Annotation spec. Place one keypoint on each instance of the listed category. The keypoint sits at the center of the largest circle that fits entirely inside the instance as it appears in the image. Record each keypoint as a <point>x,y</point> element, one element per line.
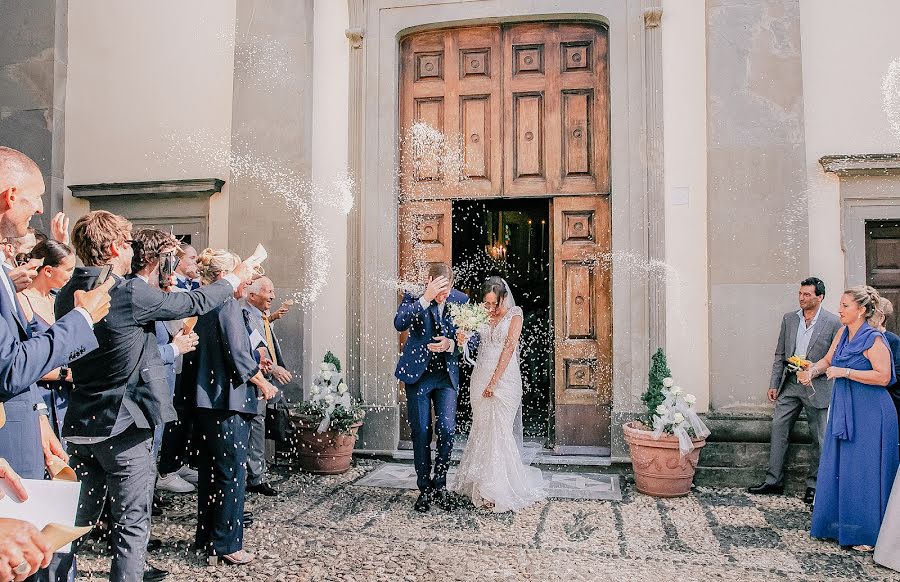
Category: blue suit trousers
<point>437,389</point>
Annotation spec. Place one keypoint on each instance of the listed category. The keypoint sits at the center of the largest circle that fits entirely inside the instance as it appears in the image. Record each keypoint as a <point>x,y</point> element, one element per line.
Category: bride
<point>491,471</point>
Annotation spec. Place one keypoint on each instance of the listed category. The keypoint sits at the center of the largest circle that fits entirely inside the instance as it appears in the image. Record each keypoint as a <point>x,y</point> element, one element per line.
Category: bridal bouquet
<point>469,318</point>
<point>330,402</point>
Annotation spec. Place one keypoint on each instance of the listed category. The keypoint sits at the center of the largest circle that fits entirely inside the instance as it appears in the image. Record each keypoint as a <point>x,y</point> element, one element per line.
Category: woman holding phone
<point>226,383</point>
<point>37,302</point>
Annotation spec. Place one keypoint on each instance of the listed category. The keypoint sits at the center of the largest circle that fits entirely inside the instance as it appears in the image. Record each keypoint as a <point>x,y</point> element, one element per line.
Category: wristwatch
<point>63,374</point>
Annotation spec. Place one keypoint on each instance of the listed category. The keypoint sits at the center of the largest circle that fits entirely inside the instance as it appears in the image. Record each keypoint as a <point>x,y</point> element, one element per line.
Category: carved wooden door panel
<point>556,110</point>
<point>582,322</point>
<point>450,80</point>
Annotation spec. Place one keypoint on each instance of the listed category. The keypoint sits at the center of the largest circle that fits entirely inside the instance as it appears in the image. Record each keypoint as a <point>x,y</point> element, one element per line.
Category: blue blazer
<point>25,357</point>
<point>422,325</point>
<point>216,376</point>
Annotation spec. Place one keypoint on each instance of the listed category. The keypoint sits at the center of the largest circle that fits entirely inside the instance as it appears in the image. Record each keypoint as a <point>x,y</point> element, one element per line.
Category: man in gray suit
<point>256,304</point>
<point>807,333</point>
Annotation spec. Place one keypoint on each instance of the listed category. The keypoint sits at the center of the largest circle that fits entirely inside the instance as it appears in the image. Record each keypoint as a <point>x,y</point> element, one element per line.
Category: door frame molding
<point>376,27</point>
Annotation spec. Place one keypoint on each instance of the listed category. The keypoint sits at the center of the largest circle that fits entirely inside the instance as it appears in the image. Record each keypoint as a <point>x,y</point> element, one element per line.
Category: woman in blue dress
<point>860,454</point>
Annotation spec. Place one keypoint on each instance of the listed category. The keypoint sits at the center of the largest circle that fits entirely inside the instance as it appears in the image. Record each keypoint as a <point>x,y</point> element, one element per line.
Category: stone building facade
<point>739,144</point>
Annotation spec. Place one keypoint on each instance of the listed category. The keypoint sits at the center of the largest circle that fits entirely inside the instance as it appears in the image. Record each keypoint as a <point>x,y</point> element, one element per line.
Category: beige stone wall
<point>846,55</point>
<point>149,94</point>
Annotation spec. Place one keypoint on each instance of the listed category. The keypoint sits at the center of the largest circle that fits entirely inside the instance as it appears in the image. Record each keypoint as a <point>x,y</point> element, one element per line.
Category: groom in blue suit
<point>429,368</point>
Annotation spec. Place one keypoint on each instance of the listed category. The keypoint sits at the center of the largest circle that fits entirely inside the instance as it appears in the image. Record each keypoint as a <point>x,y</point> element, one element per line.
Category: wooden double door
<point>510,112</point>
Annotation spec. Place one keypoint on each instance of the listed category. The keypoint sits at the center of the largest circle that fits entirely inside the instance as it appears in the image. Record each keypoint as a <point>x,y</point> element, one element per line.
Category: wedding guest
<point>807,332</point>
<point>186,276</point>
<point>154,246</point>
<point>894,343</point>
<point>37,302</point>
<point>122,393</point>
<point>861,455</point>
<point>227,383</point>
<point>257,302</point>
<point>887,550</point>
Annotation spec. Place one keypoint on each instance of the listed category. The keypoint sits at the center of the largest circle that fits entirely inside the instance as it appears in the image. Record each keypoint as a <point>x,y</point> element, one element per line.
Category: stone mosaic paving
<point>330,528</point>
<point>559,485</point>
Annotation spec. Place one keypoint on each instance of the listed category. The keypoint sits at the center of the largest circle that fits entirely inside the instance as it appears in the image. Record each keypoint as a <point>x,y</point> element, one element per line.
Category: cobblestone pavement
<point>326,528</point>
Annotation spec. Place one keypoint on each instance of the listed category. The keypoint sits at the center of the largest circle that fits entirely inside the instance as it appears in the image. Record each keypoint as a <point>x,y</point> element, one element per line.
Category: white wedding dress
<point>491,470</point>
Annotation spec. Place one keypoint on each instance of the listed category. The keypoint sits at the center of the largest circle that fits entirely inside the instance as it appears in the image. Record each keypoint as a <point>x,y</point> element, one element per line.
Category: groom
<point>429,367</point>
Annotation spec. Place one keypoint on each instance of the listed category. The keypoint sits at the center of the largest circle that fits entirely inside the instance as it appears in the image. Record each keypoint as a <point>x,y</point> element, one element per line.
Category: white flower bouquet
<point>330,403</point>
<point>469,319</point>
<point>676,416</point>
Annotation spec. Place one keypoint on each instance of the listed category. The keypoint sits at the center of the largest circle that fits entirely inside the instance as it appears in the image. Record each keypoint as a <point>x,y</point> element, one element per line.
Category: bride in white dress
<point>491,471</point>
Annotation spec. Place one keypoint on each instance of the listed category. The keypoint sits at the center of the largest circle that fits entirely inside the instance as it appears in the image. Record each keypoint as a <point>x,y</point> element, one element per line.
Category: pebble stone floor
<point>328,528</point>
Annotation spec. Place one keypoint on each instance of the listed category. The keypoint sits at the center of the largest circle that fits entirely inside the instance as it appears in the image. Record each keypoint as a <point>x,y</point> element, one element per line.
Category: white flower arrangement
<point>676,416</point>
<point>330,403</point>
<point>469,319</point>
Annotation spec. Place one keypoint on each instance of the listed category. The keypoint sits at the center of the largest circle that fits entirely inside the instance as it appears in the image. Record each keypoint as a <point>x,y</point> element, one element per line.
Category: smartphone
<point>167,265</point>
<point>105,272</point>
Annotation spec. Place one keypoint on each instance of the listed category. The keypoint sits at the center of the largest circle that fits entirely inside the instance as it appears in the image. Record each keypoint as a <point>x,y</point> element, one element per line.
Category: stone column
<point>653,92</point>
<point>271,145</point>
<point>33,59</point>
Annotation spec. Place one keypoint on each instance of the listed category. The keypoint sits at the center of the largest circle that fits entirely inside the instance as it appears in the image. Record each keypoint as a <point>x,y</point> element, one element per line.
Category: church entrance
<point>511,239</point>
<point>504,158</point>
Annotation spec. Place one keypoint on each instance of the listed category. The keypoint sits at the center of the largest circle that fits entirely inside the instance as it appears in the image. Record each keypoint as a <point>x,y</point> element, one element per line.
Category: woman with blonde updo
<point>225,380</point>
<point>860,453</point>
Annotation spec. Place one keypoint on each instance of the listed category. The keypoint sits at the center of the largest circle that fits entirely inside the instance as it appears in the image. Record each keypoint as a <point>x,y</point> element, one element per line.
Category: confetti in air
<point>297,193</point>
<point>890,88</point>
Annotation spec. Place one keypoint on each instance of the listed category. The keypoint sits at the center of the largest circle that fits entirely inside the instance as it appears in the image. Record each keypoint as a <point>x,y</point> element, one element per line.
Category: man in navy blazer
<point>27,441</point>
<point>429,368</point>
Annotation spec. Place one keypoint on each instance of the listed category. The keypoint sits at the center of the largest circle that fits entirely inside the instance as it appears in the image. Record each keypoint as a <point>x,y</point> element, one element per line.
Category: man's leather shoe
<point>263,489</point>
<point>810,495</point>
<point>766,489</point>
<point>154,545</point>
<point>423,503</point>
<point>152,574</point>
<point>443,499</point>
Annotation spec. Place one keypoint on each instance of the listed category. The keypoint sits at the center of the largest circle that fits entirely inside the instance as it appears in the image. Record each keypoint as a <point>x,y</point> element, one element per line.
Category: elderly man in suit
<point>257,302</point>
<point>27,441</point>
<point>122,389</point>
<point>807,333</point>
<point>429,368</point>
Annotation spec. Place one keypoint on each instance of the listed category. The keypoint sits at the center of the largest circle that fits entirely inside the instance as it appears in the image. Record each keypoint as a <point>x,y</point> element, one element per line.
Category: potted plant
<point>665,444</point>
<point>327,422</point>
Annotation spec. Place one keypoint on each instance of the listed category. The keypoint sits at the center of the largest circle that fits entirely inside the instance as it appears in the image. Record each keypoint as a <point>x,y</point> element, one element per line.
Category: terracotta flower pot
<point>324,453</point>
<point>659,468</point>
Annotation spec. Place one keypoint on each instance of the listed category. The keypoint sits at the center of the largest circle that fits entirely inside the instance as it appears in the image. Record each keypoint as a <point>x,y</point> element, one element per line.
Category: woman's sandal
<point>864,548</point>
<point>238,558</point>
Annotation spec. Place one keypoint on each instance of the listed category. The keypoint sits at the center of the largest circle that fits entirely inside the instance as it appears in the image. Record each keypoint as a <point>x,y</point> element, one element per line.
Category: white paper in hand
<point>259,255</point>
<point>48,502</point>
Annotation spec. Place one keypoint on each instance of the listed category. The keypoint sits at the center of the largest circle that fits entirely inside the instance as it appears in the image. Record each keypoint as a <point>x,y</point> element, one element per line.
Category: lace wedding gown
<point>491,468</point>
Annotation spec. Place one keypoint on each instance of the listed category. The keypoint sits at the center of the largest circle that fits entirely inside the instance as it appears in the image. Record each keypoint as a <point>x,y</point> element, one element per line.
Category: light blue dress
<point>860,454</point>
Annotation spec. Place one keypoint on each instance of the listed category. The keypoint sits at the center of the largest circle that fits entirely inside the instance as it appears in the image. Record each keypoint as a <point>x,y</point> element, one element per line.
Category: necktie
<point>269,342</point>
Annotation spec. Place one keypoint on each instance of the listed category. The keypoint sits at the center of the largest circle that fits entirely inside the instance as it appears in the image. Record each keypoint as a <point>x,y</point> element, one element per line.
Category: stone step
<point>743,454</point>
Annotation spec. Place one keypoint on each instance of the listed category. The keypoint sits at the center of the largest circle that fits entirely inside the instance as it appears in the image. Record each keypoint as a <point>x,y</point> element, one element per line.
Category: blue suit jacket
<point>423,326</point>
<point>216,376</point>
<point>24,359</point>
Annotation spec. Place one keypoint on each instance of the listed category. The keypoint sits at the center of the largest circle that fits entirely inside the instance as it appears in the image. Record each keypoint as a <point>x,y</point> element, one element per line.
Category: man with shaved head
<point>27,441</point>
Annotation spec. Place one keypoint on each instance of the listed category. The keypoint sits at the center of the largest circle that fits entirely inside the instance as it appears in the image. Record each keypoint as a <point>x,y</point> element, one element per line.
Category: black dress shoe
<point>152,574</point>
<point>766,489</point>
<point>263,489</point>
<point>810,495</point>
<point>423,503</point>
<point>443,499</point>
<point>154,545</point>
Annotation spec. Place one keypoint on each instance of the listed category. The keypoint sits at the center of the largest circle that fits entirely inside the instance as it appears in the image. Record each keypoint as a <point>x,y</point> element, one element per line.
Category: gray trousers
<point>122,468</point>
<point>256,455</point>
<point>793,398</point>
